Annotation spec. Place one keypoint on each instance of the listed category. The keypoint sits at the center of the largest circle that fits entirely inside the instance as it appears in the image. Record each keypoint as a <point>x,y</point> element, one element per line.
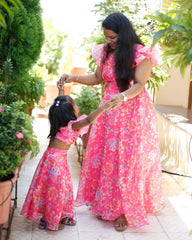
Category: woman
<point>121,173</point>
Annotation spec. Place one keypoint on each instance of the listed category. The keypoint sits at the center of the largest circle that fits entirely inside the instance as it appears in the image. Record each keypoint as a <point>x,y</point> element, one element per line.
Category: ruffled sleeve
<point>142,52</point>
<point>81,131</point>
<point>97,52</point>
<point>67,135</point>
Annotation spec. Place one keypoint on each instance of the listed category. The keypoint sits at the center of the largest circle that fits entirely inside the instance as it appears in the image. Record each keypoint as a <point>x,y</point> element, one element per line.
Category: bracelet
<point>124,97</point>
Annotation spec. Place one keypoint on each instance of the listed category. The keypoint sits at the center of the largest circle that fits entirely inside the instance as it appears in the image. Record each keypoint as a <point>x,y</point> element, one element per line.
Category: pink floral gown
<point>121,172</point>
<point>51,191</point>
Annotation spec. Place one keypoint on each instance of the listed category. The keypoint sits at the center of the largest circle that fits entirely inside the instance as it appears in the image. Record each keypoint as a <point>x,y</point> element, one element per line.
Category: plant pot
<point>6,188</point>
<point>30,111</point>
<point>52,91</point>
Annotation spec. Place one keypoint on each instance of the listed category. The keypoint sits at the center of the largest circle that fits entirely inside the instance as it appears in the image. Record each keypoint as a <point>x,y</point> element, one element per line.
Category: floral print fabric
<point>121,172</point>
<point>51,191</point>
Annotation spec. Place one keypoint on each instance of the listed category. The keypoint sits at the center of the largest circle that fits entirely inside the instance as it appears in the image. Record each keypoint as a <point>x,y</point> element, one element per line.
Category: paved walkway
<point>173,223</point>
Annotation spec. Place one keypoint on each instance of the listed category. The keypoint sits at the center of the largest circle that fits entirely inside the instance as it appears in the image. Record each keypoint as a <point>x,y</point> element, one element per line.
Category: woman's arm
<point>91,79</point>
<point>142,74</point>
<point>93,116</point>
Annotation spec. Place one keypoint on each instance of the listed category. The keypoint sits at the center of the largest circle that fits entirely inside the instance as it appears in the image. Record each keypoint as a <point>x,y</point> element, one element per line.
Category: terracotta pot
<point>30,111</point>
<point>6,188</point>
<point>52,91</point>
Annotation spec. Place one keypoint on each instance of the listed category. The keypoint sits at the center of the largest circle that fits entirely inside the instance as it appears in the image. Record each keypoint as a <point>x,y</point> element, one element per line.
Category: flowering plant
<point>16,137</point>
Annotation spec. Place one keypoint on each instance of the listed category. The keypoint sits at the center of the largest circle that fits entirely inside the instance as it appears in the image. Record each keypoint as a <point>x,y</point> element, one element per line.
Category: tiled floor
<point>173,223</point>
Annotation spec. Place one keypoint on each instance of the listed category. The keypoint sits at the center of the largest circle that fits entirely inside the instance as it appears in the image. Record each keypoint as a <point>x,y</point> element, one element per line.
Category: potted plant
<point>30,89</point>
<point>16,138</point>
<point>87,100</point>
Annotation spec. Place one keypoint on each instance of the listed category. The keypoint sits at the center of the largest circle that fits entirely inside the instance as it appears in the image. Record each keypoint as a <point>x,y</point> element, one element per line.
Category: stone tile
<point>172,224</point>
<point>179,236</point>
<point>20,223</point>
<point>153,227</point>
<point>54,235</point>
<point>17,211</point>
<point>145,236</point>
<point>168,210</point>
<point>101,235</point>
<point>181,201</point>
<point>20,235</point>
<point>83,210</point>
<point>3,233</point>
<point>89,223</point>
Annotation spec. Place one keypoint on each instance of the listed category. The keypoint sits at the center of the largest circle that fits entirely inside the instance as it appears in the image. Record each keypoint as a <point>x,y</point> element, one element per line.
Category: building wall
<point>175,91</point>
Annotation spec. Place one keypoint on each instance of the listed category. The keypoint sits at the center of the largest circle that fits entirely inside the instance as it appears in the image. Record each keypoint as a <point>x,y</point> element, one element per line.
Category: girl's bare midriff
<point>56,143</point>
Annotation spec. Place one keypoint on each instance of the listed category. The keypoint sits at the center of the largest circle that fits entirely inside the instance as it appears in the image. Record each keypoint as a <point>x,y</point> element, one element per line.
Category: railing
<point>175,136</point>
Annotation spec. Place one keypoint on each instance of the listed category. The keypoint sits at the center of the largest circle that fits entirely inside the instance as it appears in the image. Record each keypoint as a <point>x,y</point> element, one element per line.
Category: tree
<point>175,32</point>
<point>22,40</point>
<point>20,46</point>
<point>52,50</point>
<point>5,7</point>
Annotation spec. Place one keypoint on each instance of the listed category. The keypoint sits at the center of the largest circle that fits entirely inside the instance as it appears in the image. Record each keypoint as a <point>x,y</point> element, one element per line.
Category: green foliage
<point>5,8</point>
<point>158,76</point>
<point>16,137</point>
<point>29,88</point>
<point>6,71</point>
<point>22,40</point>
<point>6,94</point>
<point>20,46</point>
<point>175,32</point>
<point>52,50</point>
<point>88,100</point>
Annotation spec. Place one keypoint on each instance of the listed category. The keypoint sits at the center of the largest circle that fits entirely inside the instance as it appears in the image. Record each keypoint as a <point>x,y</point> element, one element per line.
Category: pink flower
<point>19,135</point>
<point>1,110</point>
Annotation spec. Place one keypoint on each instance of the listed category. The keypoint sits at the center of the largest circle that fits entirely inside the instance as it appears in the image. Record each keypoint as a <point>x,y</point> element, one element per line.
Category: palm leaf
<point>2,21</point>
<point>157,36</point>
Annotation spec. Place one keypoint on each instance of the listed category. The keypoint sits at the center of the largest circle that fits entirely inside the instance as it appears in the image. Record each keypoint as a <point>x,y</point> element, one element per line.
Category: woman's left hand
<point>117,100</point>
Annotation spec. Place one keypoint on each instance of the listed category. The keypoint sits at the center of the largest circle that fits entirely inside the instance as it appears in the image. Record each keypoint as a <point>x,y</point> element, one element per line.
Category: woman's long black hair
<point>124,52</point>
<point>60,113</point>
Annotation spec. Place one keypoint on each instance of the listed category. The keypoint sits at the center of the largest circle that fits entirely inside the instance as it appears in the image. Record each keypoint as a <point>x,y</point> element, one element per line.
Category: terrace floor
<point>174,222</point>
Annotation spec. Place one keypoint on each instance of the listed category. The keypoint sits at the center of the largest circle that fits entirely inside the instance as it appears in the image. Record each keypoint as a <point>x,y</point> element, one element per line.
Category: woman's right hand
<point>108,104</point>
<point>65,78</point>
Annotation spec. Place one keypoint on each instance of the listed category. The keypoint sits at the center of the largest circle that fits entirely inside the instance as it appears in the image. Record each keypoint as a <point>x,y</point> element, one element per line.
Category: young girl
<point>50,194</point>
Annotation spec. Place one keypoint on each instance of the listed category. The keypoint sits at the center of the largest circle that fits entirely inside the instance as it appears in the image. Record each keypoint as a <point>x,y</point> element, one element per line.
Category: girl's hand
<point>60,85</point>
<point>117,100</point>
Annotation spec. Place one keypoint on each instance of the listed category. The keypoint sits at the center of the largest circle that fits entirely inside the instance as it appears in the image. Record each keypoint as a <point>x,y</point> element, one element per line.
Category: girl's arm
<point>142,74</point>
<point>60,88</point>
<point>91,79</point>
<point>93,116</point>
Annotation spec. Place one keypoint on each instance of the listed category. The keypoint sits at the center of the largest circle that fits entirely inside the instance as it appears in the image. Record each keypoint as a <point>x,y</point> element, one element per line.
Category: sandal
<point>43,225</point>
<point>68,221</point>
<point>121,223</point>
<point>99,217</point>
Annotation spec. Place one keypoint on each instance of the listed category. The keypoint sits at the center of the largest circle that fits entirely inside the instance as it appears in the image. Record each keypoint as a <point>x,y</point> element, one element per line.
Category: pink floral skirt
<point>51,191</point>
